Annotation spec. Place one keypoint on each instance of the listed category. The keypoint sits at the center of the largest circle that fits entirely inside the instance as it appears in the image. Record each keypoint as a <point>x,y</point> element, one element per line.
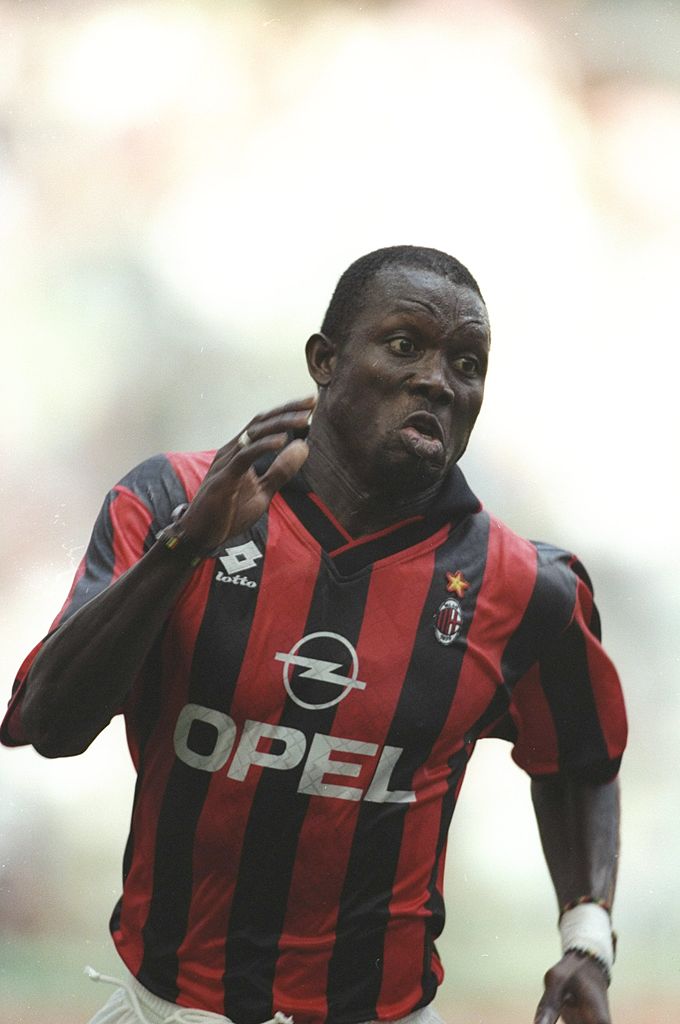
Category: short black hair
<point>351,289</point>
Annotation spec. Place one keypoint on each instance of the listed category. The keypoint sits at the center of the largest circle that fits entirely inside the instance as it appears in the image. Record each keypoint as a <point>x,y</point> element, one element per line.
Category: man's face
<point>408,383</point>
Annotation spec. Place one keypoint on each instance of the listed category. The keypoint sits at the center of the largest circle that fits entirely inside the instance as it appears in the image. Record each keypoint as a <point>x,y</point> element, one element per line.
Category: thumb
<point>551,1002</point>
<point>284,467</point>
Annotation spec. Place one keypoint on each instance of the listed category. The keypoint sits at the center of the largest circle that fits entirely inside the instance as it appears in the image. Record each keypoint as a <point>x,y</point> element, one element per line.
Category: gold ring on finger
<point>245,439</point>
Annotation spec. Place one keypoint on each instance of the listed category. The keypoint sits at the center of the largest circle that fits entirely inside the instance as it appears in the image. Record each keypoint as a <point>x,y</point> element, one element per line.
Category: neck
<point>360,508</point>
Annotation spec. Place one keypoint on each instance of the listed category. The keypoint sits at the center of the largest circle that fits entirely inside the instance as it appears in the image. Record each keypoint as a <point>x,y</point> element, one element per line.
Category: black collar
<point>453,502</point>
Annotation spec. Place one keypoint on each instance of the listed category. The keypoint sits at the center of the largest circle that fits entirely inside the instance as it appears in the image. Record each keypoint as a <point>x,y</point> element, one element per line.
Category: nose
<point>431,377</point>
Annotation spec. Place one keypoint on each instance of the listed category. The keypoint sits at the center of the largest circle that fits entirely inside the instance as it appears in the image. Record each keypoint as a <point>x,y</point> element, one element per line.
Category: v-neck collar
<point>350,554</point>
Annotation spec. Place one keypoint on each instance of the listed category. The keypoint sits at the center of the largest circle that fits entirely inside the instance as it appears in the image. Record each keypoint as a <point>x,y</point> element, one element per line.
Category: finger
<point>290,416</point>
<point>550,1004</point>
<point>284,467</point>
<point>245,456</point>
<point>289,421</point>
<point>240,457</point>
<point>299,405</point>
<point>546,1014</point>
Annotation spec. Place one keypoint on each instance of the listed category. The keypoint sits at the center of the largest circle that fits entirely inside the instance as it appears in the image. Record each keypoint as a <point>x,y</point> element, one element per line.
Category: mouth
<point>422,433</point>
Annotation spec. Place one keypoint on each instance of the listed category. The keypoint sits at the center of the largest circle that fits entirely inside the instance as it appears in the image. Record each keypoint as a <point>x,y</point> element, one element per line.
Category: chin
<point>408,474</point>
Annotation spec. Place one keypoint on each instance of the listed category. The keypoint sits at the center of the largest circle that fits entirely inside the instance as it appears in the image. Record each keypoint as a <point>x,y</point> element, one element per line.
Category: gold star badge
<point>456,583</point>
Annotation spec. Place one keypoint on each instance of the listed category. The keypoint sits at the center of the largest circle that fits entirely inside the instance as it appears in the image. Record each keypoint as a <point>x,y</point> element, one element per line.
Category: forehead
<point>403,289</point>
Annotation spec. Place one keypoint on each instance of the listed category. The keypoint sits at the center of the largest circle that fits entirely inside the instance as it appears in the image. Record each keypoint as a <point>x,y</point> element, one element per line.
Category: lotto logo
<point>240,581</point>
<point>243,556</point>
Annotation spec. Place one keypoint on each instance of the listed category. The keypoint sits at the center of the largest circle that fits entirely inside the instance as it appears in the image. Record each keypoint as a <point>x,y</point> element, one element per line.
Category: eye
<point>402,346</point>
<point>469,366</point>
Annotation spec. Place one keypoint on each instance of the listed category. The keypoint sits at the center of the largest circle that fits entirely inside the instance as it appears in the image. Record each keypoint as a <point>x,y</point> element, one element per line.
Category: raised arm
<point>579,828</point>
<point>86,668</point>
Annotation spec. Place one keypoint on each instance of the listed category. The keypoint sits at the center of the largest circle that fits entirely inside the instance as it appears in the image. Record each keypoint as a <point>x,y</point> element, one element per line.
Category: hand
<point>575,992</point>
<point>232,496</point>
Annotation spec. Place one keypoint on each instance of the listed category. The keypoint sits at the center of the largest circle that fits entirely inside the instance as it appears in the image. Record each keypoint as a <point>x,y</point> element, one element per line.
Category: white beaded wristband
<point>587,929</point>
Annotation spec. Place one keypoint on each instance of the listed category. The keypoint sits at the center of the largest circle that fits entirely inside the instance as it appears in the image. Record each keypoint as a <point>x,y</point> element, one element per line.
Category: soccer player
<point>308,631</point>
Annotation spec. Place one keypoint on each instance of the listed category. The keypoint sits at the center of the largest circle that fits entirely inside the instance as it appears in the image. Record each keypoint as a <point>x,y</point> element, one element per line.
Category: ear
<point>322,355</point>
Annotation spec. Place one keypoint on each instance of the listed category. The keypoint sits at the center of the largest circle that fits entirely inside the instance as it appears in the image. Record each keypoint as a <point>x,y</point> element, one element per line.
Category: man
<point>308,631</point>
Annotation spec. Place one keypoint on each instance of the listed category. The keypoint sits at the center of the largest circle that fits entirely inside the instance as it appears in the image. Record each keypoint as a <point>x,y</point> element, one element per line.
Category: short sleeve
<point>567,709</point>
<point>131,515</point>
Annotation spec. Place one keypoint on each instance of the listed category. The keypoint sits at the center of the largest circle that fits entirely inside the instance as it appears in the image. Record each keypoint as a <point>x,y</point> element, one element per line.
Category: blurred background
<point>181,184</point>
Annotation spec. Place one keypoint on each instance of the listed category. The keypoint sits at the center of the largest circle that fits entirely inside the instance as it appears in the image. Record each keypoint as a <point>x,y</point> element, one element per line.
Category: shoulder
<point>554,564</point>
<point>558,574</point>
<point>164,481</point>
<point>561,571</point>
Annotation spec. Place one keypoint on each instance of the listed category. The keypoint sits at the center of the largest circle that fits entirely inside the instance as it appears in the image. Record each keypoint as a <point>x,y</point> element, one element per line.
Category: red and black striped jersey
<point>301,730</point>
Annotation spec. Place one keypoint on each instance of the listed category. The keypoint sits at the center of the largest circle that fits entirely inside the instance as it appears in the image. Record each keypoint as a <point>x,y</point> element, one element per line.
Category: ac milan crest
<point>447,621</point>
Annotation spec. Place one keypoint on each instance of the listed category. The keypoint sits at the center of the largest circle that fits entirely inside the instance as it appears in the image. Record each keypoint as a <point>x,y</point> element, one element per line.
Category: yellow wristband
<point>173,539</point>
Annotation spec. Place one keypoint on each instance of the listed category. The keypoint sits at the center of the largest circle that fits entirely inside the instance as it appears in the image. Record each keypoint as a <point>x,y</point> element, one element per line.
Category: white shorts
<point>131,1003</point>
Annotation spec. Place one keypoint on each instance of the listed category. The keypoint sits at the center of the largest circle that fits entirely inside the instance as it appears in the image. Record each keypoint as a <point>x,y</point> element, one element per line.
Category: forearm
<point>579,828</point>
<point>85,669</point>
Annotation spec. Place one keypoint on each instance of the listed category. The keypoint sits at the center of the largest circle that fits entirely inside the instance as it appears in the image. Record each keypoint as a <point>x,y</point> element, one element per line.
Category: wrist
<point>174,539</point>
<point>585,928</point>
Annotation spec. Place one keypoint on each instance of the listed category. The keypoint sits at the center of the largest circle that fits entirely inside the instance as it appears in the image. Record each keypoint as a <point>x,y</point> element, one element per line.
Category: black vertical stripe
<point>218,655</point>
<point>99,561</point>
<point>143,717</point>
<point>157,486</point>
<point>547,613</point>
<point>355,972</point>
<point>277,814</point>
<point>548,634</point>
<point>166,923</point>
<point>565,679</point>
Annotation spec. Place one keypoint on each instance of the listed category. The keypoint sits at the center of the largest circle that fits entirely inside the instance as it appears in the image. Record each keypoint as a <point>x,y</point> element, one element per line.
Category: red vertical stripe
<point>190,469</point>
<point>604,679</point>
<point>532,711</point>
<point>533,716</point>
<point>288,579</point>
<point>394,604</point>
<point>130,522</point>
